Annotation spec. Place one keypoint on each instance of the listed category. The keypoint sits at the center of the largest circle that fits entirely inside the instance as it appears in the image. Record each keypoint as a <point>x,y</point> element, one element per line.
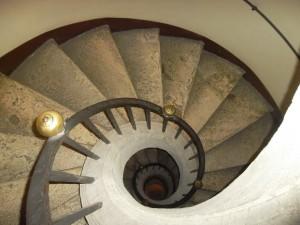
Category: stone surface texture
<point>217,180</point>
<point>18,155</point>
<point>97,55</point>
<point>202,195</point>
<point>242,107</point>
<point>64,198</point>
<point>52,73</point>
<point>214,80</point>
<point>140,50</point>
<point>21,105</point>
<point>180,58</point>
<point>12,195</point>
<point>240,148</point>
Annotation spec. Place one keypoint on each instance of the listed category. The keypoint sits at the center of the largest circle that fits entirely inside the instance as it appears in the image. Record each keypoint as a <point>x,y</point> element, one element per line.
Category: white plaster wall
<point>230,23</point>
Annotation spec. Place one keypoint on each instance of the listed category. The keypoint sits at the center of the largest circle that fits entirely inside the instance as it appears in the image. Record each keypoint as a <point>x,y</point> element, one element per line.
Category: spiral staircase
<point>154,122</point>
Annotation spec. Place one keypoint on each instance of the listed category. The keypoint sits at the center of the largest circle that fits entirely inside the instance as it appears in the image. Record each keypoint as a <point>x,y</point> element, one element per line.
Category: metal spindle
<point>73,217</point>
<point>91,127</point>
<point>148,118</point>
<point>62,177</point>
<point>79,148</point>
<point>110,116</point>
<point>130,116</point>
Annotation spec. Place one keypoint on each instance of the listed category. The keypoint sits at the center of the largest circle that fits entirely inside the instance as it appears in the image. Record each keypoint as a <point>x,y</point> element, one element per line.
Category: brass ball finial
<point>49,123</point>
<point>170,109</point>
<point>198,184</point>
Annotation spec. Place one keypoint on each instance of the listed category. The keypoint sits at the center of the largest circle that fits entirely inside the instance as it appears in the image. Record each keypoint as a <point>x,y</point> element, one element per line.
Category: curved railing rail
<point>37,207</point>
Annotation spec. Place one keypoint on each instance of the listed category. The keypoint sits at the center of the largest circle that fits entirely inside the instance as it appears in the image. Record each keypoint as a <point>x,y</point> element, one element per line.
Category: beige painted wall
<point>230,23</point>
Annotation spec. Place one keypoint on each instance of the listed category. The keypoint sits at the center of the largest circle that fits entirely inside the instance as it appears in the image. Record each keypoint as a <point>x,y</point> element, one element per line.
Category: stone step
<point>12,210</point>
<point>97,55</point>
<point>241,148</point>
<point>64,198</point>
<point>214,80</point>
<point>202,195</point>
<point>140,50</point>
<point>19,154</point>
<point>180,58</point>
<point>52,73</point>
<point>69,206</point>
<point>218,180</point>
<point>21,105</point>
<point>12,194</point>
<point>242,107</point>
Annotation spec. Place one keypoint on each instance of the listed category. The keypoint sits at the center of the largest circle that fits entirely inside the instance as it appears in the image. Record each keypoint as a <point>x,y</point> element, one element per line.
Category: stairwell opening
<point>151,175</point>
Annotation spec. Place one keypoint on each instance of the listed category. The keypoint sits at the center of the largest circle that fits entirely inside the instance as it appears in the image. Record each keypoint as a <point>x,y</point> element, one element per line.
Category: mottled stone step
<point>67,207</point>
<point>241,148</point>
<point>140,50</point>
<point>97,55</point>
<point>202,195</point>
<point>217,180</point>
<point>180,58</point>
<point>12,209</point>
<point>64,198</point>
<point>214,80</point>
<point>242,107</point>
<point>13,205</point>
<point>19,153</point>
<point>52,73</point>
<point>20,105</point>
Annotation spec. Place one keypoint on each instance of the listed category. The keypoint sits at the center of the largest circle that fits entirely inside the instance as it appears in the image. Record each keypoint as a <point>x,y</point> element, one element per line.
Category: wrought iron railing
<point>37,206</point>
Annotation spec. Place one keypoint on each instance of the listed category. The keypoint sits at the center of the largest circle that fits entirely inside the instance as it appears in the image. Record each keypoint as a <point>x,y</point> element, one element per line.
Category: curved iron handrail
<point>37,207</point>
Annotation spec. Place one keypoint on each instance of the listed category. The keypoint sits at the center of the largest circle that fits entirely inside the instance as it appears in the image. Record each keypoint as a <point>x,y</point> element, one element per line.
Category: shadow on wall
<point>295,82</point>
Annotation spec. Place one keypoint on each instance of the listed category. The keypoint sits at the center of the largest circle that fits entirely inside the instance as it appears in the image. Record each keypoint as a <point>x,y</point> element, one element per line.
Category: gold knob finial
<point>49,123</point>
<point>198,184</point>
<point>170,110</point>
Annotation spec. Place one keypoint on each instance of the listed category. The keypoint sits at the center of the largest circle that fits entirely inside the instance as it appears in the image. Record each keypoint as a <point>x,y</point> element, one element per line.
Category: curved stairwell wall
<point>230,23</point>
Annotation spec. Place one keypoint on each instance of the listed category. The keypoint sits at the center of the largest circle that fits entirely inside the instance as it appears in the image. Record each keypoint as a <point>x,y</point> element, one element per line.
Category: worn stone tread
<point>140,50</point>
<point>13,204</point>
<point>52,73</point>
<point>180,58</point>
<point>67,207</point>
<point>20,105</point>
<point>241,148</point>
<point>218,180</point>
<point>64,198</point>
<point>19,153</point>
<point>214,80</point>
<point>97,55</point>
<point>242,107</point>
<point>202,195</point>
<point>12,209</point>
